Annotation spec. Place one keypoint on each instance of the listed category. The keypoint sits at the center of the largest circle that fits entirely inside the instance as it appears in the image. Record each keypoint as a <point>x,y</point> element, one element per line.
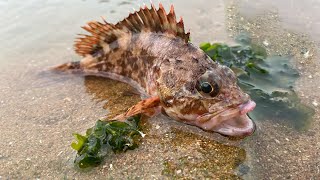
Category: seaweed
<point>269,80</point>
<point>104,138</point>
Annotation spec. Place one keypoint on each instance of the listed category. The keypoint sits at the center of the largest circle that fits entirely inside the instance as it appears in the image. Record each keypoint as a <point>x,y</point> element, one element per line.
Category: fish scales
<point>151,51</point>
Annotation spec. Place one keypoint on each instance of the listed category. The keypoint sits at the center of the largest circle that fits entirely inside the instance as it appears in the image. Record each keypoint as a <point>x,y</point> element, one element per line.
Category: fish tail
<point>76,65</point>
<point>86,63</point>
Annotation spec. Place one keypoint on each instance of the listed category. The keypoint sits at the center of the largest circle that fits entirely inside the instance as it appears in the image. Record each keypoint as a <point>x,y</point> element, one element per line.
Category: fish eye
<point>211,89</point>
<point>206,87</point>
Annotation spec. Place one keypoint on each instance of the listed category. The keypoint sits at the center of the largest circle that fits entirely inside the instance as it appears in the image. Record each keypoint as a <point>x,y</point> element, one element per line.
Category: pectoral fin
<point>149,107</point>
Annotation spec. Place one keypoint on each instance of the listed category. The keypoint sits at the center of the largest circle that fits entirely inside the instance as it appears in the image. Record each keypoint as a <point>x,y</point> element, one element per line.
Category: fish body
<point>151,51</point>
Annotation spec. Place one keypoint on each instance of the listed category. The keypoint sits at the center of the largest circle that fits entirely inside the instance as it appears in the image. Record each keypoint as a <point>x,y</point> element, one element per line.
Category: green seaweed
<point>102,139</point>
<point>269,80</point>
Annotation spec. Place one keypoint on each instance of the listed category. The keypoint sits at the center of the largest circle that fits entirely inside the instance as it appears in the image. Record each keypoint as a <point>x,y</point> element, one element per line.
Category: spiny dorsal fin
<point>143,20</point>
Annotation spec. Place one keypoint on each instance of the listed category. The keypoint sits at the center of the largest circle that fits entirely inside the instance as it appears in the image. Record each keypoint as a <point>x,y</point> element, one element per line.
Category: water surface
<point>40,111</point>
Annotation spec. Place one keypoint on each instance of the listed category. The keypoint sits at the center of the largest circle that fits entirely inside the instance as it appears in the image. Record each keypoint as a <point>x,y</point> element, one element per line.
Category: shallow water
<point>40,111</point>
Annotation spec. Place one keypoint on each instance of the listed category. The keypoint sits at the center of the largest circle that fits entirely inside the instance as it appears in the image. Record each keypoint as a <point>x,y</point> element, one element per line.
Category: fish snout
<point>230,122</point>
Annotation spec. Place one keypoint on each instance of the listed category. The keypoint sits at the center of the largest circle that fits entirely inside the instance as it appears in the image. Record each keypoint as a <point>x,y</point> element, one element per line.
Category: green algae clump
<point>269,80</point>
<point>104,138</point>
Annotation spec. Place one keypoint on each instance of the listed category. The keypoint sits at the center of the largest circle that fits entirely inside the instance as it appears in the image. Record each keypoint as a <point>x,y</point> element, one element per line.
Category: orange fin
<point>148,107</point>
<point>103,34</point>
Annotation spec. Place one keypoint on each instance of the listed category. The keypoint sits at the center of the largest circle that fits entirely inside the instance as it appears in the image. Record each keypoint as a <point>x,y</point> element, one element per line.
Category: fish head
<point>207,95</point>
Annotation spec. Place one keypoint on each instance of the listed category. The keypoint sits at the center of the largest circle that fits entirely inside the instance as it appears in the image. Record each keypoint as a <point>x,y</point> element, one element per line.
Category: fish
<point>151,51</point>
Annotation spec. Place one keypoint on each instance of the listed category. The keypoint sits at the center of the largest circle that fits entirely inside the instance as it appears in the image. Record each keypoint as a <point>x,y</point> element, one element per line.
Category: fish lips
<point>228,128</point>
<point>231,122</point>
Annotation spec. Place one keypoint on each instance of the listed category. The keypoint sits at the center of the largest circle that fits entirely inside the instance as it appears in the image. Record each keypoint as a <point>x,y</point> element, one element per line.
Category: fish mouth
<point>230,122</point>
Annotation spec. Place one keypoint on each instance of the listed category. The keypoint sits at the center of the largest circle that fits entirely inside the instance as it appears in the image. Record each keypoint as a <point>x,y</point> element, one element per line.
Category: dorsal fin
<point>143,20</point>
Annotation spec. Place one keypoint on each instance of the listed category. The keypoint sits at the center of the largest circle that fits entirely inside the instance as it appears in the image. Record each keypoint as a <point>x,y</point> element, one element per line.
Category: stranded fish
<point>150,51</point>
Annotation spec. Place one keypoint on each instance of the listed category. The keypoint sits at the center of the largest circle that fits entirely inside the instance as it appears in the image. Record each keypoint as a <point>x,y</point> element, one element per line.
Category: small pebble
<point>315,103</point>
<point>266,43</point>
<point>28,159</point>
<point>307,55</point>
<point>310,77</point>
<point>179,171</point>
<point>60,153</point>
<point>142,134</point>
<point>67,99</point>
<point>157,127</point>
<point>244,169</point>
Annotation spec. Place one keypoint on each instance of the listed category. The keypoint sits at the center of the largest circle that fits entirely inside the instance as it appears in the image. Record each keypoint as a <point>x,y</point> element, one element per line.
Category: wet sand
<point>278,150</point>
<point>40,111</point>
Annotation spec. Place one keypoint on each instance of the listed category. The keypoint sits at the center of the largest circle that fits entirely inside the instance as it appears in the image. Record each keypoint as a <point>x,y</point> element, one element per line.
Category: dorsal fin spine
<point>126,23</point>
<point>149,17</point>
<point>104,20</point>
<point>155,17</point>
<point>143,18</point>
<point>134,23</point>
<point>172,19</point>
<point>138,19</point>
<point>163,17</point>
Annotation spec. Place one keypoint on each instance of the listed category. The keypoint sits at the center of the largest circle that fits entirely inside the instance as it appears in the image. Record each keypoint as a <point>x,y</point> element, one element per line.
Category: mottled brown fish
<point>151,51</point>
